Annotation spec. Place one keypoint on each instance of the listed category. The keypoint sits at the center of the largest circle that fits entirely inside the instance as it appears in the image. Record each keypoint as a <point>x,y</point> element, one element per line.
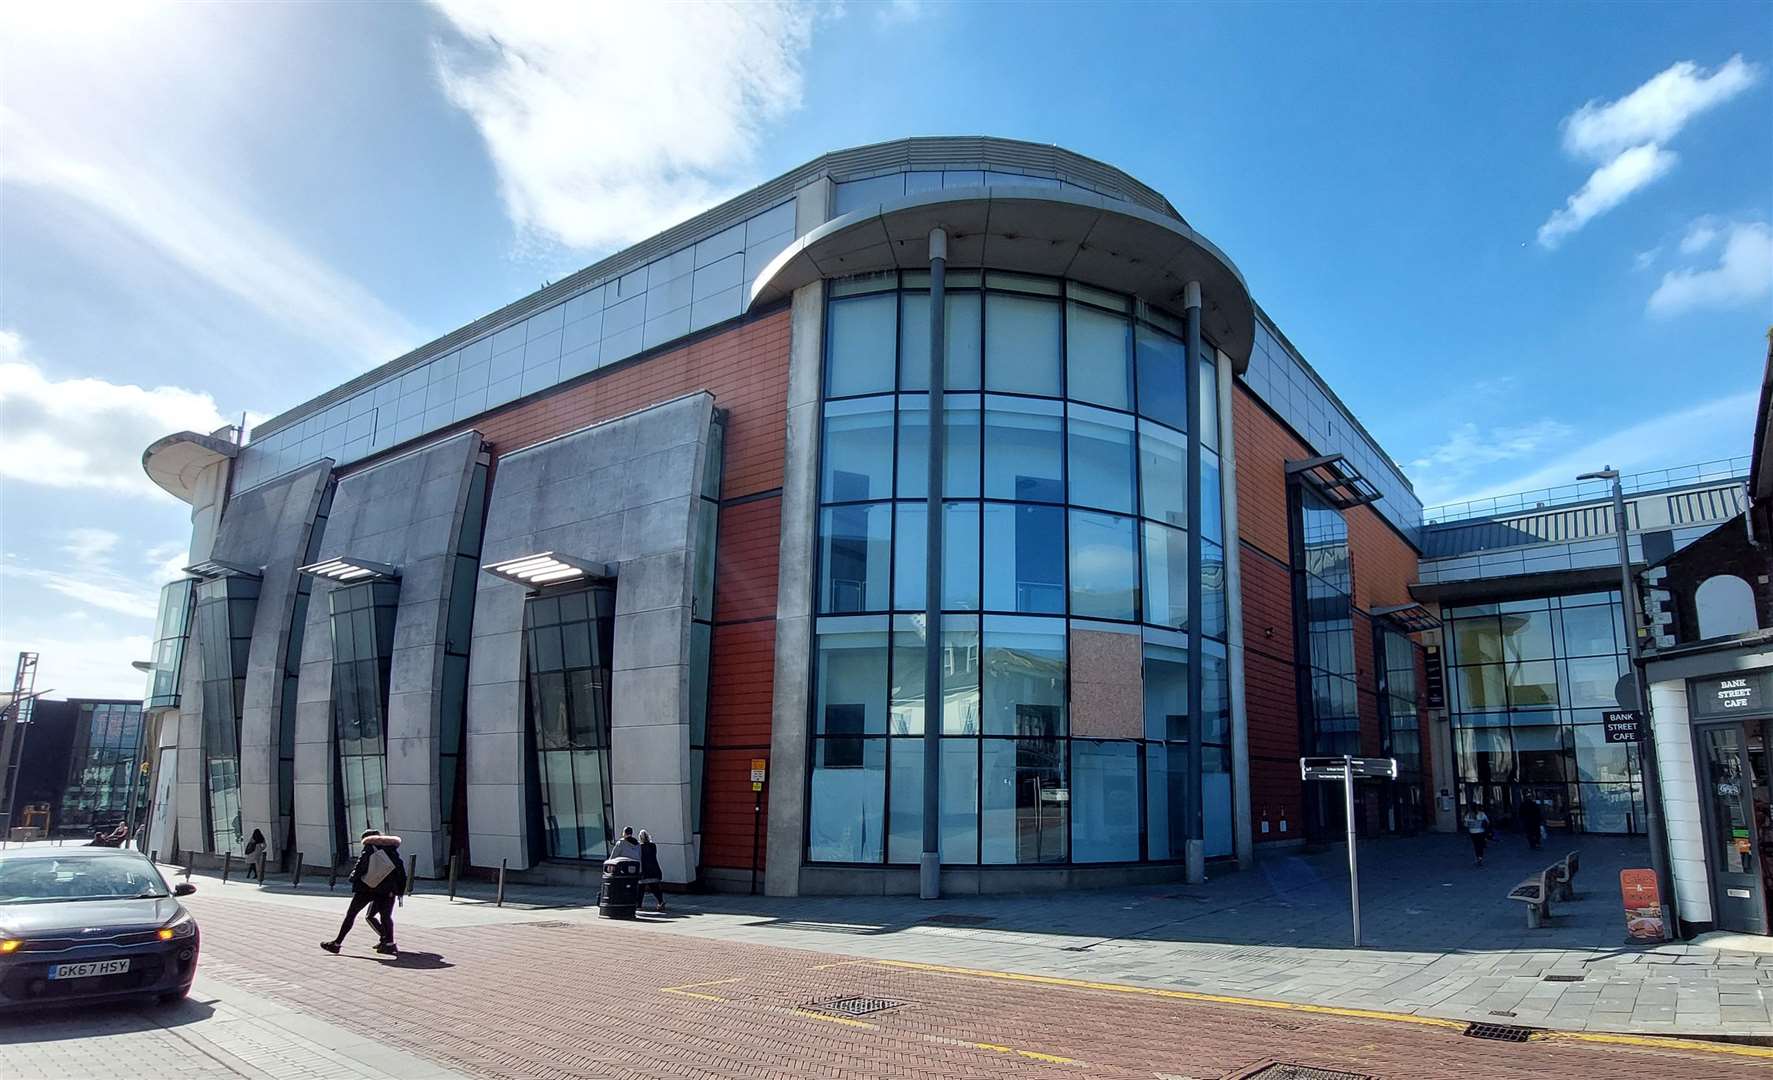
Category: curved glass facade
<point>1065,578</point>
<point>362,657</point>
<point>224,614</point>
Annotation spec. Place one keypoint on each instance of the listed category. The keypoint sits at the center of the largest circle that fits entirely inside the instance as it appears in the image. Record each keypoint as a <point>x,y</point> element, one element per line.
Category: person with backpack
<point>377,881</point>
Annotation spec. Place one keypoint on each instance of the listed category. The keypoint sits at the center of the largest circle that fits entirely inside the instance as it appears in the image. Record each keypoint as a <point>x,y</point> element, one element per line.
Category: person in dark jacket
<point>377,893</point>
<point>1533,822</point>
<point>652,879</point>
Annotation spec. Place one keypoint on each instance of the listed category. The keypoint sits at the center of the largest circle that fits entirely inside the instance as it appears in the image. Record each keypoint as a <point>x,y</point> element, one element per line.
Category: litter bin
<point>620,895</point>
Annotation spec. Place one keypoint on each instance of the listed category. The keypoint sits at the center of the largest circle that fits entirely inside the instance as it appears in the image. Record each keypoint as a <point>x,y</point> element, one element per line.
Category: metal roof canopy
<point>348,571</point>
<point>1413,617</point>
<point>546,568</point>
<point>1332,477</point>
<point>212,569</point>
<point>1090,239</point>
<point>176,461</point>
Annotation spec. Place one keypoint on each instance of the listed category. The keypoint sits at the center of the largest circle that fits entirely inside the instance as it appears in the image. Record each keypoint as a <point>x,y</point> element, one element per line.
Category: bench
<point>1564,875</point>
<point>1535,892</point>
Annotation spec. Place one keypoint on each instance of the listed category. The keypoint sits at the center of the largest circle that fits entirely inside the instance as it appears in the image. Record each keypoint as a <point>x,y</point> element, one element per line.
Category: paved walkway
<point>1441,939</point>
<point>221,1032</point>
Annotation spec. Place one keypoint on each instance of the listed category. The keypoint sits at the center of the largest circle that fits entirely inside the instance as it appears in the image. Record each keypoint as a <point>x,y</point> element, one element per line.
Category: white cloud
<point>598,141</point>
<point>899,12</point>
<point>168,560</point>
<point>1700,235</point>
<point>1705,432</point>
<point>1469,449</point>
<point>1656,111</point>
<point>1742,276</point>
<point>80,664</point>
<point>1607,187</point>
<point>1646,259</point>
<point>94,584</point>
<point>1626,137</point>
<point>90,545</point>
<point>86,433</point>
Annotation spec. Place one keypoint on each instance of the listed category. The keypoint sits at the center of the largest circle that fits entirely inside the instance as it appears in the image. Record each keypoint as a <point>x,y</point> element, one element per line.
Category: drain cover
<point>1286,1070</point>
<point>553,925</point>
<point>1562,978</point>
<point>854,1006</point>
<point>1499,1032</point>
<point>957,920</point>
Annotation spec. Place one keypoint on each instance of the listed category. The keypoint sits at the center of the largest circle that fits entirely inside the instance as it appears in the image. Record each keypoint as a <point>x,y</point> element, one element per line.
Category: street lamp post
<point>1647,748</point>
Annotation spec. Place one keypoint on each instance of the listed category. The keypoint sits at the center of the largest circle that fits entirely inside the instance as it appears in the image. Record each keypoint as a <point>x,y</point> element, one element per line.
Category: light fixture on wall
<point>349,571</point>
<point>546,568</point>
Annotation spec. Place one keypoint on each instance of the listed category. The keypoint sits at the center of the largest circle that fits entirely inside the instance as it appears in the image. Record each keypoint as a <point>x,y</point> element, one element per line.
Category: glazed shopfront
<point>1732,718</point>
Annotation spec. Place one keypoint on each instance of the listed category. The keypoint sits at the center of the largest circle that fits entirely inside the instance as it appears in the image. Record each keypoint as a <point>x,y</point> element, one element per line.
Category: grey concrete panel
<point>650,754</point>
<point>655,581</point>
<point>573,498</point>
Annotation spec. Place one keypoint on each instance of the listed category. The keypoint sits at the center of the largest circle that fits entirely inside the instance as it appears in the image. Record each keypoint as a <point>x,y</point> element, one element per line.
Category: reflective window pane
<point>1532,684</point>
<point>1166,802</point>
<point>858,450</point>
<point>1212,589</point>
<point>1104,566</point>
<point>1022,345</point>
<point>962,341</point>
<point>1024,558</point>
<point>1023,802</point>
<point>855,547</point>
<point>1101,458</point>
<point>1104,801</point>
<point>960,457</point>
<point>1207,393</point>
<point>1591,631</point>
<point>859,343</point>
<point>1098,357</point>
<point>1166,576</point>
<point>1593,681</point>
<point>1024,676</point>
<point>1163,474</point>
<point>1023,450</point>
<point>850,697</point>
<point>1163,389</point>
<point>847,816</point>
<point>1166,692</point>
<point>1527,635</point>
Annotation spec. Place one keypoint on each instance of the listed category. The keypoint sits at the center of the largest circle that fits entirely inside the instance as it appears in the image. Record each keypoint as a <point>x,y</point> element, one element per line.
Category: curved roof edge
<point>1107,243</point>
<point>176,461</point>
<point>919,151</point>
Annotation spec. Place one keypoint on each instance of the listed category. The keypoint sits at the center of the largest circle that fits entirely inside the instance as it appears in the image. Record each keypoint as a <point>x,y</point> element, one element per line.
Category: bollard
<point>412,872</point>
<point>188,861</point>
<point>500,902</point>
<point>455,866</point>
<point>154,856</point>
<point>227,865</point>
<point>296,883</point>
<point>334,879</point>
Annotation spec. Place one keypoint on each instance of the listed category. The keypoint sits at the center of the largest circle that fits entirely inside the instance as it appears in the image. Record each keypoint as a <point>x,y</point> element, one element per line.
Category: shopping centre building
<point>653,547</point>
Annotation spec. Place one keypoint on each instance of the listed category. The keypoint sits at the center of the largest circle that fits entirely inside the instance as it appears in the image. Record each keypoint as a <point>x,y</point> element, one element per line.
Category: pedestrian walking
<point>255,856</point>
<point>1477,826</point>
<point>1533,823</point>
<point>652,879</point>
<point>626,847</point>
<point>376,881</point>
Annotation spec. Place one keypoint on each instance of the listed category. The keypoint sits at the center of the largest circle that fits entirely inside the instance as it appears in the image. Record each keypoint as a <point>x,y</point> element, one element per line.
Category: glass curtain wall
<point>1065,578</point>
<point>1528,681</point>
<point>105,781</point>
<point>1324,591</point>
<point>1401,723</point>
<point>362,656</point>
<point>567,640</point>
<point>452,715</point>
<point>171,624</point>
<point>225,610</point>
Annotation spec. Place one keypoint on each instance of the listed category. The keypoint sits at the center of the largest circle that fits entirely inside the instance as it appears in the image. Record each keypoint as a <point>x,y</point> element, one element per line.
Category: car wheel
<point>173,997</point>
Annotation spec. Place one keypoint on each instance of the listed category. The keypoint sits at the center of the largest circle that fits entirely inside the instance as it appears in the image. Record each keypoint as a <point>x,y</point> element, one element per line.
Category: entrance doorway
<point>1733,791</point>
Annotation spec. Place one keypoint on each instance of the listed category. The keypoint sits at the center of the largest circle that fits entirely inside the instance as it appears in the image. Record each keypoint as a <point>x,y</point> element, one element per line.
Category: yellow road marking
<point>1662,1042</point>
<point>992,1046</point>
<point>1177,995</point>
<point>1657,1042</point>
<point>840,963</point>
<point>844,1020</point>
<point>1051,1059</point>
<point>687,989</point>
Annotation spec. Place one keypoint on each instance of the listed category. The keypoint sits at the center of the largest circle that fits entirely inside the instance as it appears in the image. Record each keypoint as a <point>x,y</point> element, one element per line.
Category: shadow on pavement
<point>54,1023</point>
<point>412,961</point>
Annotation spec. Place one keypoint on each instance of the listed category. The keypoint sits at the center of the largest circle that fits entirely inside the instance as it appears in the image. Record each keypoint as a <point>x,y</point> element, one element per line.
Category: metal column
<point>1196,835</point>
<point>929,876</point>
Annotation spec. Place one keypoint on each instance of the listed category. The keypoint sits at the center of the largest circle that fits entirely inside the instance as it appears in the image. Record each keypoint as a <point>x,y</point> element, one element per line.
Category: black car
<point>80,924</point>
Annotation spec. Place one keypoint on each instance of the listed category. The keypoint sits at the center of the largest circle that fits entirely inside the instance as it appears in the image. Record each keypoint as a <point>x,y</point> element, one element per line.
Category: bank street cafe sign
<point>1748,693</point>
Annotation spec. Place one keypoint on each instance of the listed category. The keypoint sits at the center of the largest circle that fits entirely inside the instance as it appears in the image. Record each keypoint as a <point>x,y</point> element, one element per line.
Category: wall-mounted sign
<point>1623,726</point>
<point>1732,695</point>
<point>1434,685</point>
<point>760,768</point>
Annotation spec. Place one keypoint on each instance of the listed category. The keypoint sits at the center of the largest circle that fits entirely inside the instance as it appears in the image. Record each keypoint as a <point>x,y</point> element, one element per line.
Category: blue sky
<point>1518,240</point>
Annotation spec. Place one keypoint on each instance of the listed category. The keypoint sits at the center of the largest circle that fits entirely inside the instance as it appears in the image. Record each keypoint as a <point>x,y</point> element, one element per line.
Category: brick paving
<point>531,994</point>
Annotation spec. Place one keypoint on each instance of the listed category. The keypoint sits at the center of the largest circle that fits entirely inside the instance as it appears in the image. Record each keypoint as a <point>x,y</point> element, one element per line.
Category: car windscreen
<point>120,875</point>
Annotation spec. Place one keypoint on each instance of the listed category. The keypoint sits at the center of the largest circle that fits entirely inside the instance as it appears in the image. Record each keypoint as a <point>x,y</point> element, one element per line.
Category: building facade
<point>651,547</point>
<point>84,766</point>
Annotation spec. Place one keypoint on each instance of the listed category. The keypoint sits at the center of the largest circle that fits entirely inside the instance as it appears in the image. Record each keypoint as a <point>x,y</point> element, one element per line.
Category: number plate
<point>88,970</point>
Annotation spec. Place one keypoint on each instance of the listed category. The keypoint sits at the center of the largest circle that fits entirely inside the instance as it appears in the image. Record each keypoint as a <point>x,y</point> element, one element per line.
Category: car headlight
<point>9,945</point>
<point>182,926</point>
